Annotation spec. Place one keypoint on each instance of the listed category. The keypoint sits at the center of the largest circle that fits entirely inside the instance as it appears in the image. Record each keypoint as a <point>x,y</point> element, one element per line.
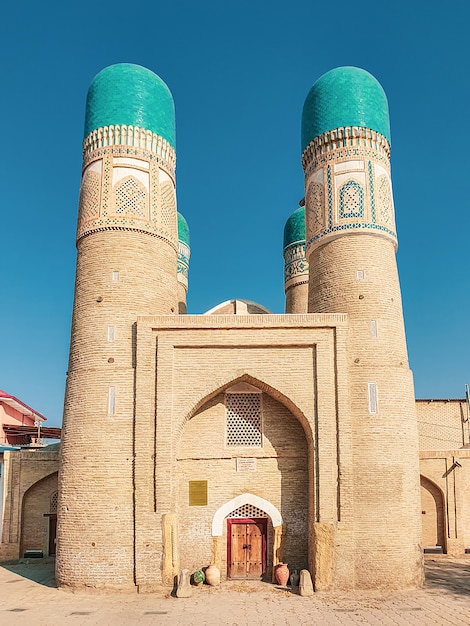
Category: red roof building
<point>20,425</point>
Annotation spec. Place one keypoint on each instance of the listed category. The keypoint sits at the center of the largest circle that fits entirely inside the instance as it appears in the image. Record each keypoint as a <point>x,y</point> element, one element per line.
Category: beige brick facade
<point>444,433</point>
<point>30,484</point>
<point>320,462</point>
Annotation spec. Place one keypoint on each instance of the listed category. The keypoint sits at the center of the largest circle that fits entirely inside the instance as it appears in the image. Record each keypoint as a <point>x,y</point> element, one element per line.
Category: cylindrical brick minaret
<point>351,243</point>
<point>126,266</point>
<point>184,253</point>
<point>295,263</point>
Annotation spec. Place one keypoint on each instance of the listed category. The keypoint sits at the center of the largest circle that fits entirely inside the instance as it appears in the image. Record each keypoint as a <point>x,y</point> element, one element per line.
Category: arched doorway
<point>251,529</point>
<point>433,515</point>
<point>38,522</point>
<point>243,442</point>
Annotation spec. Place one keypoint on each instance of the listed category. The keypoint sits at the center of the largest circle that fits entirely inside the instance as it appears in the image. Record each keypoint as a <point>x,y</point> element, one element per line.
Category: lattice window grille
<point>90,196</point>
<point>247,510</point>
<point>315,203</point>
<point>243,419</point>
<point>54,499</point>
<point>168,204</point>
<point>130,198</point>
<point>351,200</point>
<point>385,198</point>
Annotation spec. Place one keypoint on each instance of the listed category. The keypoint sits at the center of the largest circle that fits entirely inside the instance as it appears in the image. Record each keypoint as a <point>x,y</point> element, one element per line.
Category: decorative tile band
<point>183,264</point>
<point>295,265</point>
<point>330,197</point>
<point>371,191</point>
<point>334,232</point>
<point>106,228</point>
<point>130,136</point>
<point>347,137</point>
<point>348,186</point>
<point>127,192</point>
<point>348,191</point>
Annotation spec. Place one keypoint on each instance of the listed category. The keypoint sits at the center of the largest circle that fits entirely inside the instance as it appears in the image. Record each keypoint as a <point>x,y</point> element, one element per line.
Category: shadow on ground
<point>40,571</point>
<point>445,574</point>
<point>448,575</point>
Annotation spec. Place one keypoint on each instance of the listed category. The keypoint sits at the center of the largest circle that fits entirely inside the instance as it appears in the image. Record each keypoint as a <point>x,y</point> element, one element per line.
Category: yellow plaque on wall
<point>198,493</point>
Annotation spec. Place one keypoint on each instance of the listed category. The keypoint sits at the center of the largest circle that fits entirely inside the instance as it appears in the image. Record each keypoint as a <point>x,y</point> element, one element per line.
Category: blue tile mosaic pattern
<point>371,191</point>
<point>351,200</point>
<point>183,230</point>
<point>345,96</point>
<point>294,230</point>
<point>132,95</point>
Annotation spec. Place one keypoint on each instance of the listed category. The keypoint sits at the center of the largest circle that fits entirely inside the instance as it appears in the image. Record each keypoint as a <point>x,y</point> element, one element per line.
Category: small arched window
<point>243,414</point>
<point>53,502</point>
<point>351,200</point>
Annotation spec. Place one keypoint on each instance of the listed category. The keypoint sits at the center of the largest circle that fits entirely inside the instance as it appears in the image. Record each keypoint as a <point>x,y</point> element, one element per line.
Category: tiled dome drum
<point>295,262</point>
<point>294,230</point>
<point>346,158</point>
<point>183,251</point>
<point>131,95</point>
<point>345,96</point>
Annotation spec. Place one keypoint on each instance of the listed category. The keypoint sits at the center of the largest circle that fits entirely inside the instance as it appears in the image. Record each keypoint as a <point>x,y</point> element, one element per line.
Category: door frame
<point>262,522</point>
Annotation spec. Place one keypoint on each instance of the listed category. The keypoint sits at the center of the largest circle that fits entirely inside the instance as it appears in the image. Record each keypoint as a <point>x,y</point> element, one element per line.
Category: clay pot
<point>282,574</point>
<point>213,576</point>
<point>198,577</point>
<point>295,579</point>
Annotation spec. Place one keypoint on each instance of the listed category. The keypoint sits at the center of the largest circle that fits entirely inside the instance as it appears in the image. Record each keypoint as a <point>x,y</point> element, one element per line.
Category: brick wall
<point>443,424</point>
<point>30,478</point>
<point>281,477</point>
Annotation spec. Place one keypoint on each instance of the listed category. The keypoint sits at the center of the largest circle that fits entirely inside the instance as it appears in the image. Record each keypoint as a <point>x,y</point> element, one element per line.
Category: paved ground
<point>28,597</point>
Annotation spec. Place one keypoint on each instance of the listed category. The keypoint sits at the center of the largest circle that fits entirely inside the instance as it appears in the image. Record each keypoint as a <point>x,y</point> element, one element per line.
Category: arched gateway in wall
<point>243,485</point>
<point>245,519</point>
<point>432,514</point>
<point>39,516</point>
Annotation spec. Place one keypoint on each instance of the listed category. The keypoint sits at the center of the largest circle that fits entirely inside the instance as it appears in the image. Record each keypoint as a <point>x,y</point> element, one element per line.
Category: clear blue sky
<point>239,73</point>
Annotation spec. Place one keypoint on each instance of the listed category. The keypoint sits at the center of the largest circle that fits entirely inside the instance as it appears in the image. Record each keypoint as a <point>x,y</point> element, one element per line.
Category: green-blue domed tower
<point>127,246</point>
<point>351,242</point>
<point>295,263</point>
<point>184,252</point>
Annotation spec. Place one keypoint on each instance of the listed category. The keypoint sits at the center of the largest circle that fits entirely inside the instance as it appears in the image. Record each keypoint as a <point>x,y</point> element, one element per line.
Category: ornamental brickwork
<point>176,425</point>
<point>351,244</point>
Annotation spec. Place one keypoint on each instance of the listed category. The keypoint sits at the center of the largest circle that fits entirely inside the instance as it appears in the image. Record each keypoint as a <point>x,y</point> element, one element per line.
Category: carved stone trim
<point>132,137</point>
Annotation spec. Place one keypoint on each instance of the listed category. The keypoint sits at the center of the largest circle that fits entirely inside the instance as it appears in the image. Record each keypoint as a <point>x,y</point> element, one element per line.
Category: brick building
<point>28,480</point>
<point>239,437</point>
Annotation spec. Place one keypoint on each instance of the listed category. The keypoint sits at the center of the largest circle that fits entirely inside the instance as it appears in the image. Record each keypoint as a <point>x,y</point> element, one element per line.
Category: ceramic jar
<point>212,576</point>
<point>282,574</point>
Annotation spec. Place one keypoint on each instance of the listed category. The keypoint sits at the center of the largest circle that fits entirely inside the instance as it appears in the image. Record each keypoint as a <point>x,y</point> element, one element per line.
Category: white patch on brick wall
<point>111,400</point>
<point>111,333</point>
<point>348,166</point>
<point>246,464</point>
<point>96,166</point>
<point>373,398</point>
<point>123,161</point>
<point>119,173</point>
<point>163,176</point>
<point>235,503</point>
<point>373,328</point>
<point>115,276</point>
<point>359,177</point>
<point>379,170</point>
<point>360,275</point>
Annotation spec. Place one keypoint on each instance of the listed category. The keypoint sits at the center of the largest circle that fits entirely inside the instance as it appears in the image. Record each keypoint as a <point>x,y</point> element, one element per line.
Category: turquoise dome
<point>183,230</point>
<point>132,95</point>
<point>294,230</point>
<point>345,96</point>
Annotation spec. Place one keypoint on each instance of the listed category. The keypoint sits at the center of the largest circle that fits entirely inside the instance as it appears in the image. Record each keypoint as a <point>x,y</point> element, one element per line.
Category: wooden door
<point>246,548</point>
<point>52,533</point>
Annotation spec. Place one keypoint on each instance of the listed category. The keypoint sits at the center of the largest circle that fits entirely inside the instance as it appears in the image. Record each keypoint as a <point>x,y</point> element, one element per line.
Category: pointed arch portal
<point>244,498</point>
